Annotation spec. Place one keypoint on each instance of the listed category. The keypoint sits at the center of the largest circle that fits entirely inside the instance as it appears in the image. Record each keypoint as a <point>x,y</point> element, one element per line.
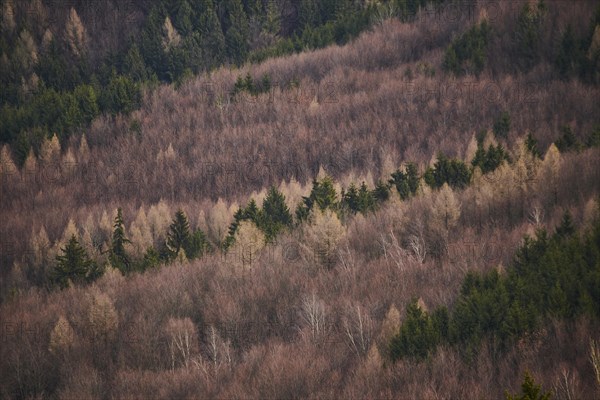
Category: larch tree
<point>171,37</point>
<point>83,154</point>
<point>322,235</point>
<point>446,208</point>
<point>7,165</point>
<point>548,178</point>
<point>159,219</point>
<point>140,233</point>
<point>249,241</point>
<point>103,317</point>
<point>8,17</point>
<point>31,164</point>
<point>50,150</point>
<point>62,337</point>
<point>75,34</point>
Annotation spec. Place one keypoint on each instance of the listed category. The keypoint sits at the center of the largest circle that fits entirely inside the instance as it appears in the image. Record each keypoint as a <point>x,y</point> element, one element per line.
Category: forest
<point>299,199</point>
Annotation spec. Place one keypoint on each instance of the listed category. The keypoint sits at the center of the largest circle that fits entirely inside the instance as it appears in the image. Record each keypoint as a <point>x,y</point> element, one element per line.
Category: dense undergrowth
<point>413,213</point>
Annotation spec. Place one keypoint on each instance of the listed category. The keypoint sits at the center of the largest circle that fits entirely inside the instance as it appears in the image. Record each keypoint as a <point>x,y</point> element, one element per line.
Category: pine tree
<point>151,42</point>
<point>323,194</point>
<point>198,245</point>
<point>134,65</point>
<point>118,256</point>
<point>178,236</point>
<point>73,265</point>
<point>527,35</point>
<point>275,214</point>
<point>451,171</point>
<point>350,198</point>
<point>566,227</point>
<point>272,22</point>
<point>568,141</point>
<point>417,336</point>
<point>531,145</point>
<point>381,193</point>
<point>237,35</point>
<point>489,160</point>
<point>502,125</point>
<point>183,20</point>
<point>529,390</point>
<point>212,38</point>
<point>308,15</point>
<point>366,202</point>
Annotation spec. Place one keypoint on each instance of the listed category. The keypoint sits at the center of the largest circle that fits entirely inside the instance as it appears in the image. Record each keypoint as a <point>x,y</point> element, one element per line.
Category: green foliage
<point>309,15</point>
<point>120,95</point>
<point>550,277</point>
<point>593,139</point>
<point>568,141</point>
<point>419,334</point>
<point>237,34</point>
<point>406,182</point>
<point>569,54</point>
<point>118,256</point>
<point>358,200</point>
<point>529,391</point>
<point>212,37</point>
<point>407,9</point>
<point>150,260</point>
<point>272,219</point>
<point>74,266</point>
<point>531,146</point>
<point>134,65</point>
<point>250,213</point>
<point>451,171</point>
<point>275,215</point>
<point>381,193</point>
<point>248,85</point>
<point>183,18</point>
<point>502,125</point>
<point>179,235</point>
<point>528,35</point>
<point>72,91</point>
<point>491,159</point>
<point>323,195</point>
<point>468,53</point>
<point>180,239</point>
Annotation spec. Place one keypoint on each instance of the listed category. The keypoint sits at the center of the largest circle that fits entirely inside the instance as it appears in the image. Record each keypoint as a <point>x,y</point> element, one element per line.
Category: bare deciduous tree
<point>314,315</point>
<point>358,329</point>
<point>182,341</point>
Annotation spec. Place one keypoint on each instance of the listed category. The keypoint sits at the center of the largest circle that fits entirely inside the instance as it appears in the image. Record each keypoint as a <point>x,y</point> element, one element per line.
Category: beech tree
<point>76,34</point>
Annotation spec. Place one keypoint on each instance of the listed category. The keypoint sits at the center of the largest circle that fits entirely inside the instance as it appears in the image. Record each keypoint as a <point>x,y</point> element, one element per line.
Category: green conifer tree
<point>118,256</point>
<point>178,236</point>
<point>73,265</point>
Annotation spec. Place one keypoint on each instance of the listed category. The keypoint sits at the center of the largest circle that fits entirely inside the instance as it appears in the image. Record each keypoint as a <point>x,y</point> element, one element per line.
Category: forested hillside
<point>291,199</point>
